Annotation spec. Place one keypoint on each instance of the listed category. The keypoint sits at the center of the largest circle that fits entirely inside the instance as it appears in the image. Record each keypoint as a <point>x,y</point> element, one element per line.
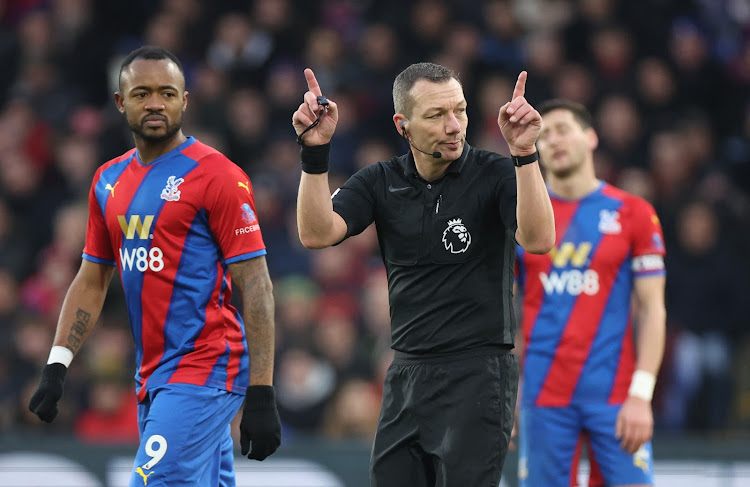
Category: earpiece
<point>403,129</point>
<point>323,102</point>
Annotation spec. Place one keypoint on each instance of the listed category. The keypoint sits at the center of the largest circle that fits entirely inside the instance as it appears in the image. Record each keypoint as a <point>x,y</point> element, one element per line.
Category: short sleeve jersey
<point>171,227</point>
<point>576,307</point>
<point>448,247</point>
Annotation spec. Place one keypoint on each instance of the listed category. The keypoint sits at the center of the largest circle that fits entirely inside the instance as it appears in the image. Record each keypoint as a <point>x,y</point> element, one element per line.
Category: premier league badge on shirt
<point>456,237</point>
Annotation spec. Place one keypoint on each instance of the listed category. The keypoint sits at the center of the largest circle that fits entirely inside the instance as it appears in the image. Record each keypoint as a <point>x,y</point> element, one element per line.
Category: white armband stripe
<point>645,263</point>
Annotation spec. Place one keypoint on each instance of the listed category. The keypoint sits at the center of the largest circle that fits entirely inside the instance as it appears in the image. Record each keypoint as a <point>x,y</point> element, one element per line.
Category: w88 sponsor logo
<point>142,259</point>
<point>573,282</point>
<point>138,227</point>
<point>570,281</point>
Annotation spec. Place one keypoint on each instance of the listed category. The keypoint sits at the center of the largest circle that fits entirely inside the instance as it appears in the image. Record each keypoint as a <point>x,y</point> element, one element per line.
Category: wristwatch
<point>519,161</point>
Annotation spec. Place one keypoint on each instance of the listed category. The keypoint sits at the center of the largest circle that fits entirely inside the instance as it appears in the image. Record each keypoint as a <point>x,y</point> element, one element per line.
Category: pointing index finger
<point>520,88</point>
<point>312,82</point>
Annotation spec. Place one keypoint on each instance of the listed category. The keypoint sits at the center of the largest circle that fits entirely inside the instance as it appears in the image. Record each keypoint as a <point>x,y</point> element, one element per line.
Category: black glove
<point>260,423</point>
<point>44,401</point>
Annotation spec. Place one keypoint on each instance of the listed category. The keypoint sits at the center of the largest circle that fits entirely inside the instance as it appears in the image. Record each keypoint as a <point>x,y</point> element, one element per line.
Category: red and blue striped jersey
<point>172,227</point>
<point>577,328</point>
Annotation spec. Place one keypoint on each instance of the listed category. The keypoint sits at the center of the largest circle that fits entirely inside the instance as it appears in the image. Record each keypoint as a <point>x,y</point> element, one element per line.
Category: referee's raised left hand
<point>519,122</point>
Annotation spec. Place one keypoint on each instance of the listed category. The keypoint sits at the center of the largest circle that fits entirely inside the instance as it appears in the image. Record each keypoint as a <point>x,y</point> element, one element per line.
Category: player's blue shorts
<point>549,437</point>
<point>185,437</point>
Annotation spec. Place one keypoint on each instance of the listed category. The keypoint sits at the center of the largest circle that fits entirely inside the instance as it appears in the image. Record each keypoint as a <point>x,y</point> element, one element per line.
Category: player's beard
<point>170,130</point>
<point>565,173</point>
<point>577,161</point>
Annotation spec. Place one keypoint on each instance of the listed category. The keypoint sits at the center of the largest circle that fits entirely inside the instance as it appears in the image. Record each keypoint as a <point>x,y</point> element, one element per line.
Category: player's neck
<point>149,151</point>
<point>575,186</point>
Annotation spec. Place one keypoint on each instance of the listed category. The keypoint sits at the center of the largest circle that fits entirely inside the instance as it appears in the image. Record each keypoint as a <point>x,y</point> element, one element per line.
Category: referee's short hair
<point>402,101</point>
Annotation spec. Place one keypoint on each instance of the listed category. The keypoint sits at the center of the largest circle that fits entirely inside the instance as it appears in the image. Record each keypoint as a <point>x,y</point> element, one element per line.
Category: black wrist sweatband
<point>519,161</point>
<point>314,158</point>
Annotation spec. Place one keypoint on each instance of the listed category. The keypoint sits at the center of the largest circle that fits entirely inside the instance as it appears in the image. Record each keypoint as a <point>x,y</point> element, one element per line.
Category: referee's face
<point>153,99</point>
<point>438,121</point>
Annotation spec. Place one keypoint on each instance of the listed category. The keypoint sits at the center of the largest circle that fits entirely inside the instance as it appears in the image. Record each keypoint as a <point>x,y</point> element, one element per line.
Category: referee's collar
<point>410,167</point>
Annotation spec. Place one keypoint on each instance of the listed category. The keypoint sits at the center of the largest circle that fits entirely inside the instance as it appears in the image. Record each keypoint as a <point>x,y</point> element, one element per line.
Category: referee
<point>448,217</point>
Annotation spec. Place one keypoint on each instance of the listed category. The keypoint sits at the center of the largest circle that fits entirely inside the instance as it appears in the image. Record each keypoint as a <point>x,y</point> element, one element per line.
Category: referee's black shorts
<point>445,422</point>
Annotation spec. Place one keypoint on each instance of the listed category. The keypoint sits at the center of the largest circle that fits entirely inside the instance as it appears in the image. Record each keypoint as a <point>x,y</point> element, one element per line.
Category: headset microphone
<point>436,154</point>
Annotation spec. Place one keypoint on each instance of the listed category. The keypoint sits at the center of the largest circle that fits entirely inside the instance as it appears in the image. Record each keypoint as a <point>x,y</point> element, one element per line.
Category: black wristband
<point>519,161</point>
<point>315,158</point>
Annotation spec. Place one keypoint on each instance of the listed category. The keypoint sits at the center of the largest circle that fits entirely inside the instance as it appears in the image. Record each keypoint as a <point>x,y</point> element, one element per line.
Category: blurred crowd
<point>668,82</point>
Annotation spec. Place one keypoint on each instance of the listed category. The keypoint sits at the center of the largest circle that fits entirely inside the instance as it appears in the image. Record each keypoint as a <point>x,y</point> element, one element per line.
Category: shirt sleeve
<point>648,240</point>
<point>507,194</point>
<point>98,247</point>
<point>355,200</point>
<point>230,205</point>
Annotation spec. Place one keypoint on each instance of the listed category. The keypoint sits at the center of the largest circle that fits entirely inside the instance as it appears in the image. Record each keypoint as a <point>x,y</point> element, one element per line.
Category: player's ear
<point>592,138</point>
<point>184,100</point>
<point>120,102</point>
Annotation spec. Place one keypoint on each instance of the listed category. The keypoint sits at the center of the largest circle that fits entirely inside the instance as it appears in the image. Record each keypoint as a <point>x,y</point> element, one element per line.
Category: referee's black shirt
<point>448,246</point>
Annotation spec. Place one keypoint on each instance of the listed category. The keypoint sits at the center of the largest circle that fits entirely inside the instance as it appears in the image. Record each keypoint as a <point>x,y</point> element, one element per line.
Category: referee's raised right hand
<point>308,112</point>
